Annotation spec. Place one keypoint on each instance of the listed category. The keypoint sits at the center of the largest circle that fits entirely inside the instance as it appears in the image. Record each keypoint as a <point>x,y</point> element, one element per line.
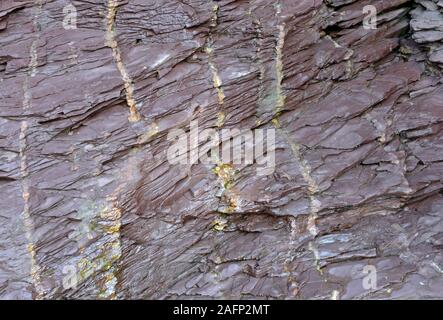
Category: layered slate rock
<point>92,208</point>
<point>427,27</point>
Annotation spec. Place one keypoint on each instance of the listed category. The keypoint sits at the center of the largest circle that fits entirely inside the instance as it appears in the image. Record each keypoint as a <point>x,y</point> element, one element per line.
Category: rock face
<point>427,27</point>
<point>92,207</point>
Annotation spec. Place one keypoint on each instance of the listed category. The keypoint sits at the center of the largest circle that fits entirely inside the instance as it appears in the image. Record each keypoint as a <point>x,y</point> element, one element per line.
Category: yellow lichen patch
<point>112,43</point>
<point>276,122</point>
<point>113,214</point>
<point>214,18</point>
<point>112,249</point>
<point>100,258</point>
<point>112,11</point>
<point>216,80</point>
<point>102,262</point>
<point>153,129</point>
<point>30,247</point>
<point>279,68</point>
<point>233,203</point>
<point>405,50</point>
<point>114,228</point>
<point>221,116</point>
<point>219,224</point>
<point>225,172</point>
<point>85,267</point>
<point>35,271</point>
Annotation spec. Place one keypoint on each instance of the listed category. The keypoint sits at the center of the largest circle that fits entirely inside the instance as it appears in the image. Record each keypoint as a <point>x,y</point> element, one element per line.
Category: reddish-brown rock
<point>92,208</point>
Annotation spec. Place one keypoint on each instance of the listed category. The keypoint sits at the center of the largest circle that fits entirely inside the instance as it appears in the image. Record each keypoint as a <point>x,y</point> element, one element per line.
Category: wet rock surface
<point>92,208</point>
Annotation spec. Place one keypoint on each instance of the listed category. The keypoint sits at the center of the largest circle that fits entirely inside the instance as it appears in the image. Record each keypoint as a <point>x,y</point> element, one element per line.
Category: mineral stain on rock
<point>93,209</point>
